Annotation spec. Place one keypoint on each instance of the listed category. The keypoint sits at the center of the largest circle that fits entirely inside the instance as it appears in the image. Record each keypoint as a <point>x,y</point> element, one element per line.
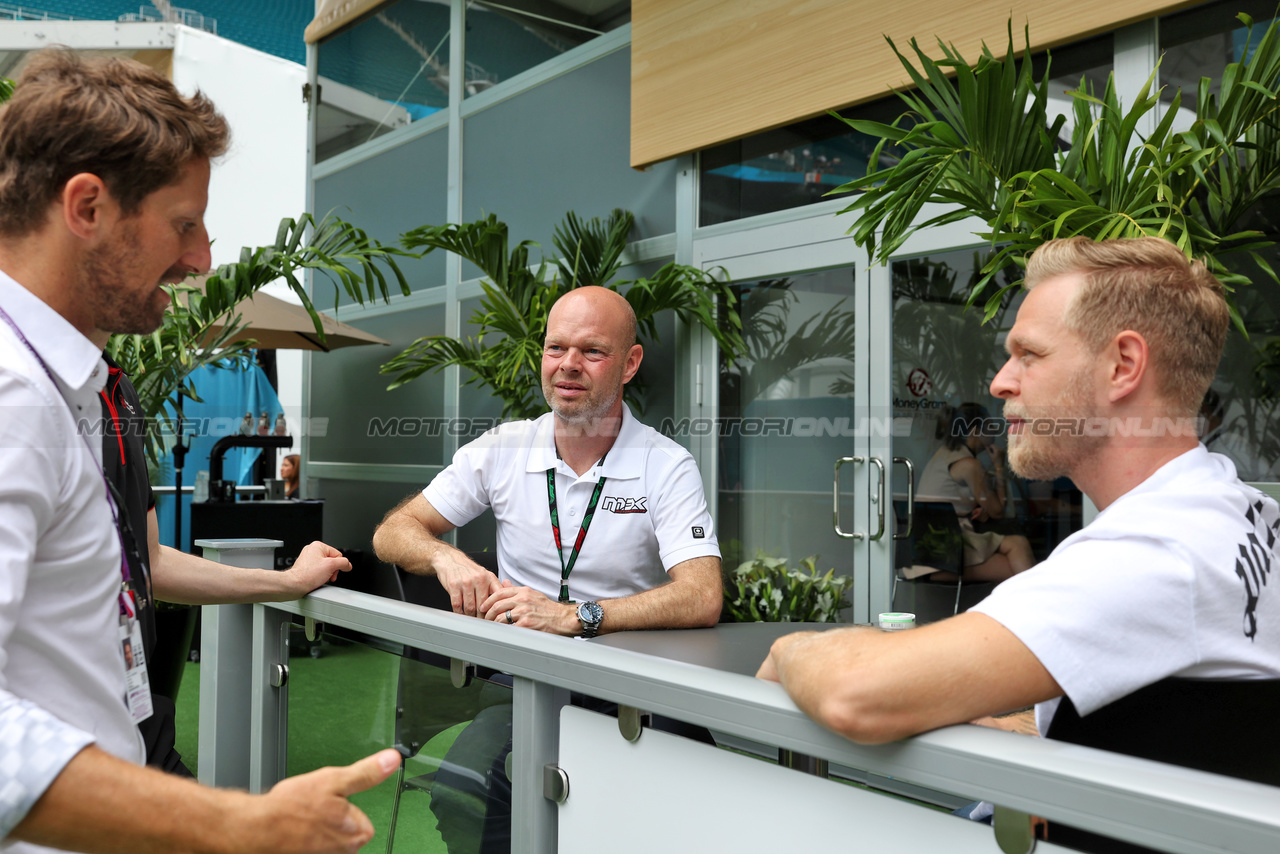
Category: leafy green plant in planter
<point>767,590</point>
<point>160,364</point>
<point>506,355</point>
<point>982,146</point>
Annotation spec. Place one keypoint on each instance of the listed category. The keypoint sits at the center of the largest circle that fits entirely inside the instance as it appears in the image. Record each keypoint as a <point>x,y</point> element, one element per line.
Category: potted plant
<point>766,589</point>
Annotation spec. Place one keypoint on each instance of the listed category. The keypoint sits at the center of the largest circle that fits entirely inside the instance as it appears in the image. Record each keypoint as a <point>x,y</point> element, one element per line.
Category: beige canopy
<point>334,15</point>
<point>280,325</point>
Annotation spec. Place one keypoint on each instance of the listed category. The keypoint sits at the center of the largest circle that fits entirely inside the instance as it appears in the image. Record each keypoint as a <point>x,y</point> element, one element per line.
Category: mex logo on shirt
<point>617,504</point>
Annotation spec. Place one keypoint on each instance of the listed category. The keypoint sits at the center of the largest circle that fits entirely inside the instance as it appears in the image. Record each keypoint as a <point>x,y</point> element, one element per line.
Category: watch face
<point>590,612</point>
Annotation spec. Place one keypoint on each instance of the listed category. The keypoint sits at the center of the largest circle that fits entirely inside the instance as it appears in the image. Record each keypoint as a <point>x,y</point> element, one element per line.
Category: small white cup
<point>896,621</point>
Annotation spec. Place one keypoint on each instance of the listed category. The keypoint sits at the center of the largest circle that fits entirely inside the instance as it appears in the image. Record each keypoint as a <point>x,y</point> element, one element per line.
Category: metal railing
<point>253,489</point>
<point>1160,806</point>
<point>26,13</point>
<point>171,15</point>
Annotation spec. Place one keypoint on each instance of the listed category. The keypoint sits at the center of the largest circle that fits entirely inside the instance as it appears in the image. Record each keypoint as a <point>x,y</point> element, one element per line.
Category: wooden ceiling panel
<point>707,71</point>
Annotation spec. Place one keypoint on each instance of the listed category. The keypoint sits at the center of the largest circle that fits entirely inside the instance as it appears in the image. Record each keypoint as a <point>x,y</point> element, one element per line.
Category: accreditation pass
<point>137,686</point>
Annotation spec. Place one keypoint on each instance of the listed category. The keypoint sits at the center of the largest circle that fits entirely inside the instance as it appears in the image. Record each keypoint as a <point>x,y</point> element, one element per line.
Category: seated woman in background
<point>954,474</point>
<point>289,474</point>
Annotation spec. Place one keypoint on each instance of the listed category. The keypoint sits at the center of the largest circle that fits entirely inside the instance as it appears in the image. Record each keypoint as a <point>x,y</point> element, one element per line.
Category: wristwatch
<point>590,614</point>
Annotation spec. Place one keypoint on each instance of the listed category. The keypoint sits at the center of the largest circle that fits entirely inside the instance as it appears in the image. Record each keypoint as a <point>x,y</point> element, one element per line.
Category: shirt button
<point>573,512</point>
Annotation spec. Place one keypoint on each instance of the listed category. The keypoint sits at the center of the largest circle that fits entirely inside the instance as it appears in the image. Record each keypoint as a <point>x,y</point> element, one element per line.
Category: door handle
<point>835,500</point>
<point>911,496</point>
<point>879,464</point>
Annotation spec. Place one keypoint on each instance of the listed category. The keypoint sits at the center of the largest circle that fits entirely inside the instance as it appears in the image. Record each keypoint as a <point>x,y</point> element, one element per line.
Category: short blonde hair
<point>1147,285</point>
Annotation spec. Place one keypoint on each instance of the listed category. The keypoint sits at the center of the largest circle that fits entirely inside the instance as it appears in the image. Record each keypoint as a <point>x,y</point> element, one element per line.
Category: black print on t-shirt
<point>1253,566</point>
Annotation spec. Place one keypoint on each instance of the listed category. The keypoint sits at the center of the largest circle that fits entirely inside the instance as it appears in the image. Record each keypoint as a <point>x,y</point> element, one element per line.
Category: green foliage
<point>981,146</point>
<point>160,364</point>
<point>767,590</point>
<point>6,89</point>
<point>506,355</point>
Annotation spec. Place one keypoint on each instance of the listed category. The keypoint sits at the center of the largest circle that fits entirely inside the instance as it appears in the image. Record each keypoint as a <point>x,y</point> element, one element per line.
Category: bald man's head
<point>590,354</point>
<point>610,305</point>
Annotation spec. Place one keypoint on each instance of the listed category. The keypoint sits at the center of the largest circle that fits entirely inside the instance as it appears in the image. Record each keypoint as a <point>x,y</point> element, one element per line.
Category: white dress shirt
<point>62,675</point>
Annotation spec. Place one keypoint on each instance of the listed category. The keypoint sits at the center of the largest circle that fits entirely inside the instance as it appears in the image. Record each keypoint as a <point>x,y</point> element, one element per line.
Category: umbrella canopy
<point>280,325</point>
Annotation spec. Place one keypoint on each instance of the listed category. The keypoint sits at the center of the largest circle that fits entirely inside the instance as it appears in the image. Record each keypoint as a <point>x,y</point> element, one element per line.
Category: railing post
<point>226,669</point>
<point>269,695</point>
<point>535,737</point>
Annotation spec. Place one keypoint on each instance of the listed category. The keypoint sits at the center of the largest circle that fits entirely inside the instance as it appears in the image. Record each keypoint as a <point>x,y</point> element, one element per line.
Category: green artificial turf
<point>343,706</point>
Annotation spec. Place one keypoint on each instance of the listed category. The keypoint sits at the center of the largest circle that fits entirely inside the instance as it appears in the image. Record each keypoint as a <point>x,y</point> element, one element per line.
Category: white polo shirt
<point>62,677</point>
<point>652,513</point>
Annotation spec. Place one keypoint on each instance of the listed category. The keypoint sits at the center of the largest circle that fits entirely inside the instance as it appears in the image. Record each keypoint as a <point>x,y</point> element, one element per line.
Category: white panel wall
<point>263,177</point>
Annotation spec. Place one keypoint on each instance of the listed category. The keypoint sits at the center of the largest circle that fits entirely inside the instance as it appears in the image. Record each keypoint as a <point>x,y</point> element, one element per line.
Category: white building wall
<point>262,179</point>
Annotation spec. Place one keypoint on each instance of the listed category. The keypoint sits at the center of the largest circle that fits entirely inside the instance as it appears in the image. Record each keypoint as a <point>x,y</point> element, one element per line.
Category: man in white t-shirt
<point>602,522</point>
<point>104,175</point>
<point>1109,359</point>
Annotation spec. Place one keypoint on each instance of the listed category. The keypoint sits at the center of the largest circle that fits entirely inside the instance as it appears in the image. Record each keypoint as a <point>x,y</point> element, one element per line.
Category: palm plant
<point>512,319</point>
<point>982,146</point>
<point>161,364</point>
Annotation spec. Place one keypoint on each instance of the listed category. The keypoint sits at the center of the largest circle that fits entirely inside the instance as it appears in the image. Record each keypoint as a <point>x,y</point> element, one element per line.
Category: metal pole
<point>179,456</point>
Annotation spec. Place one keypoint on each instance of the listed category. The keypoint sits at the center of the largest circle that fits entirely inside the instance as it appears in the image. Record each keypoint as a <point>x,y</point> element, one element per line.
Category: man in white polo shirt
<point>104,174</point>
<point>602,522</point>
<point>1153,631</point>
<point>602,527</point>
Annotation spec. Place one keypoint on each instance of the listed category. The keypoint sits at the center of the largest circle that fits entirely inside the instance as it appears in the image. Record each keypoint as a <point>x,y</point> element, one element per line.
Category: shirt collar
<point>622,460</point>
<point>70,356</point>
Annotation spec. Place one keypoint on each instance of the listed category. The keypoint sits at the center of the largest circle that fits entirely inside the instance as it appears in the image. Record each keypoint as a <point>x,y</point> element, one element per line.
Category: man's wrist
<point>570,625</point>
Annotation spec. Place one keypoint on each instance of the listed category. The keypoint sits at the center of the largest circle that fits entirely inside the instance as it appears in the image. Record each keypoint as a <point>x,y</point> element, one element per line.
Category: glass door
<point>794,407</point>
<point>941,360</point>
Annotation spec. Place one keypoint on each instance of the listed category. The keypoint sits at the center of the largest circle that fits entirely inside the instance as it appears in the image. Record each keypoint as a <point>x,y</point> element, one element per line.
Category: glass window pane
<point>1242,408</point>
<point>1200,43</point>
<point>1083,64</point>
<point>799,164</point>
<point>788,167</point>
<point>374,196</point>
<point>945,357</point>
<point>504,39</point>
<point>787,412</point>
<point>386,72</point>
<point>1240,412</point>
